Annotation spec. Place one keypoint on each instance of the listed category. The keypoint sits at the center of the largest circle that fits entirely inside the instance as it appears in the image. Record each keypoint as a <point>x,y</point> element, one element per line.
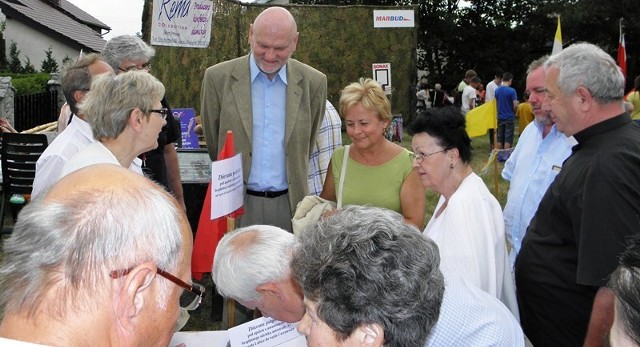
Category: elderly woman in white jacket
<point>467,223</point>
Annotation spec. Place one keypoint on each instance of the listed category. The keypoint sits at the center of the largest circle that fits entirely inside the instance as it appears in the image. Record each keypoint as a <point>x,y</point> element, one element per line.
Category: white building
<point>37,25</point>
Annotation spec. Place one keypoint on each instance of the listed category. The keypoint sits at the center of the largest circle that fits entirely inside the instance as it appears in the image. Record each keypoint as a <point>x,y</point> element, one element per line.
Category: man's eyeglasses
<point>190,298</point>
<point>145,66</point>
<point>164,112</point>
<point>419,158</point>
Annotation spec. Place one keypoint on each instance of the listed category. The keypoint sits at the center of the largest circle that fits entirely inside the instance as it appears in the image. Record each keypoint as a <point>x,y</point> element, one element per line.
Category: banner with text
<point>181,23</point>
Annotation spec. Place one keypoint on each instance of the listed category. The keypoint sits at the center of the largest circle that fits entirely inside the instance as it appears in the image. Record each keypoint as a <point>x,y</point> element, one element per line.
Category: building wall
<point>33,44</point>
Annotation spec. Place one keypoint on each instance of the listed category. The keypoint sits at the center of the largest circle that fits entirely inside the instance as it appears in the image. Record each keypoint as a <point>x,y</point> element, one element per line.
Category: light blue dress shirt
<point>269,104</point>
<point>533,165</point>
<point>471,317</point>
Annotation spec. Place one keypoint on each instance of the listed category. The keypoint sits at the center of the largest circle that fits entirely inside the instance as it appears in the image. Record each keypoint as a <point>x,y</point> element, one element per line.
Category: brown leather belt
<point>268,195</point>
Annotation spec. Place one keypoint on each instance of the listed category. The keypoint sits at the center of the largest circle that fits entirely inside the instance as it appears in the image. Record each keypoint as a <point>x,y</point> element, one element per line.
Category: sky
<point>123,16</point>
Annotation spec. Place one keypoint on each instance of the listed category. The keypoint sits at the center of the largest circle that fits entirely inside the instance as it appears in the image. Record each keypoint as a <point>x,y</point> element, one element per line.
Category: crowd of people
<point>104,249</point>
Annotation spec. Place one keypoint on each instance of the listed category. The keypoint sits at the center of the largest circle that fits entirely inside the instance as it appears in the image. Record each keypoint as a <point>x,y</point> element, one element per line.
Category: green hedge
<point>339,41</point>
<point>29,83</point>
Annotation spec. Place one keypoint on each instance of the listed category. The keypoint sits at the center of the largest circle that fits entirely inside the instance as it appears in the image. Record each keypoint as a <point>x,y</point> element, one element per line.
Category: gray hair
<point>625,283</point>
<point>70,247</point>
<point>108,105</point>
<point>77,77</point>
<point>364,265</point>
<point>537,63</point>
<point>124,47</point>
<point>240,266</point>
<point>587,65</point>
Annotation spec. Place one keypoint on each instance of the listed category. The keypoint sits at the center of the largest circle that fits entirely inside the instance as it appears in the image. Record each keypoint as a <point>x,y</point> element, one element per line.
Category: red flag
<point>622,53</point>
<point>210,231</point>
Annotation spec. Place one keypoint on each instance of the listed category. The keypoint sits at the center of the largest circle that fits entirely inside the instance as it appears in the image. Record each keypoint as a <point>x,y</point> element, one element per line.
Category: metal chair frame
<point>19,154</point>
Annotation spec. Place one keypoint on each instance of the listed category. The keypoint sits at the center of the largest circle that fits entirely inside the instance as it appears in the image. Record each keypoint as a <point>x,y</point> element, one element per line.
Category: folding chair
<point>19,154</point>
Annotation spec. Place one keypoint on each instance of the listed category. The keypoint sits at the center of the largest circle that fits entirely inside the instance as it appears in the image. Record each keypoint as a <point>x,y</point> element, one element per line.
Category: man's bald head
<point>273,37</point>
<point>275,19</point>
<point>101,178</point>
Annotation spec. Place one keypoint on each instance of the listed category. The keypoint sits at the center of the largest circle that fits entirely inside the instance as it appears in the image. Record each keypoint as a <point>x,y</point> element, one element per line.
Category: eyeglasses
<point>163,112</point>
<point>190,298</point>
<point>146,66</point>
<point>419,158</point>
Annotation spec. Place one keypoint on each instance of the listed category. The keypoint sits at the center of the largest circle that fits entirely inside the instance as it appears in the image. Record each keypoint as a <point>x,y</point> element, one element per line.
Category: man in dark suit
<point>273,105</point>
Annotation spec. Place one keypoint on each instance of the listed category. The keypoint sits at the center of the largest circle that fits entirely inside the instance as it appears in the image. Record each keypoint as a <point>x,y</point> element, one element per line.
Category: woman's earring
<point>451,165</point>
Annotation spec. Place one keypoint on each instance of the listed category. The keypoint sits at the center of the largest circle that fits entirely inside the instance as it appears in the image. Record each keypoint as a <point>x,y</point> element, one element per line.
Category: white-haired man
<point>252,266</point>
<point>590,211</point>
<point>103,259</point>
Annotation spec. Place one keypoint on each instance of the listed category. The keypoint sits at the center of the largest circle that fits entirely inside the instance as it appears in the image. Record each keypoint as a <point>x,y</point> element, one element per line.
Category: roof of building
<point>64,21</point>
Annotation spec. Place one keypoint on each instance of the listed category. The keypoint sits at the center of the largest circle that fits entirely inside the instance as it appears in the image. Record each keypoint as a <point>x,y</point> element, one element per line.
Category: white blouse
<point>470,235</point>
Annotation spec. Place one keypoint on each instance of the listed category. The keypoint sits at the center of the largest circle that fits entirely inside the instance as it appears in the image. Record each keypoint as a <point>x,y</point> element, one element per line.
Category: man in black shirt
<point>590,211</point>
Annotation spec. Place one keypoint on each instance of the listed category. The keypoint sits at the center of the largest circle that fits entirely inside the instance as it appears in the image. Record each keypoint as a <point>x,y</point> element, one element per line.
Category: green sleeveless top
<point>377,186</point>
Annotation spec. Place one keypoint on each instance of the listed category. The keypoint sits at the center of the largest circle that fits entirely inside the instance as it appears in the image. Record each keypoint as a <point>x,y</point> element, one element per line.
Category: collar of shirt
<point>602,127</point>
<point>255,70</point>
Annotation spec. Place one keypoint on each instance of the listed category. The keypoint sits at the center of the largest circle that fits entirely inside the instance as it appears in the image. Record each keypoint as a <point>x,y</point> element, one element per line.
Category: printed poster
<point>181,23</point>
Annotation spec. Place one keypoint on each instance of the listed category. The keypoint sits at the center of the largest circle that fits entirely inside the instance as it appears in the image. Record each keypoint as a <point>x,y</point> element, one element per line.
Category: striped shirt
<point>329,138</point>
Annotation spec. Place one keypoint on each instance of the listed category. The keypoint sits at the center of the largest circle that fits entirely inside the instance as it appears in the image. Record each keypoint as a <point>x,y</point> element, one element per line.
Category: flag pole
<point>495,164</point>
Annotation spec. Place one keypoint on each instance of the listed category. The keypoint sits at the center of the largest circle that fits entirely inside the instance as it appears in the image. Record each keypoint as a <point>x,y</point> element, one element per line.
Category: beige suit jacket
<point>226,105</point>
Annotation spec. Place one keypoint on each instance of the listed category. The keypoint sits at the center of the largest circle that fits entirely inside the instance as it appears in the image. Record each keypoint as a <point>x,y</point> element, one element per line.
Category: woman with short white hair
<point>125,115</point>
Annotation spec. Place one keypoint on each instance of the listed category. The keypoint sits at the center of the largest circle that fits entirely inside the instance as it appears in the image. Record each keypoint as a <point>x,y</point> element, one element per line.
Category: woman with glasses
<point>127,53</point>
<point>125,115</point>
<point>378,172</point>
<point>467,223</point>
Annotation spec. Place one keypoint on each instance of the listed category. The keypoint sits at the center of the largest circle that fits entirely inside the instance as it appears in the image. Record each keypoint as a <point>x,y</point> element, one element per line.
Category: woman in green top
<point>379,172</point>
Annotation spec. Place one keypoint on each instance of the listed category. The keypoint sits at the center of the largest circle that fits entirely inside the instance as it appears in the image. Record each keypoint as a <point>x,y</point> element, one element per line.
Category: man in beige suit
<point>273,105</point>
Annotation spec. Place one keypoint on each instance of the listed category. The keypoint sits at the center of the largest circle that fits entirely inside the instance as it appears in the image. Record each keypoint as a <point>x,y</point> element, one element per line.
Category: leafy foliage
<point>30,83</point>
<point>452,36</point>
<point>67,60</point>
<point>14,64</point>
<point>28,67</point>
<point>339,41</point>
<point>49,64</point>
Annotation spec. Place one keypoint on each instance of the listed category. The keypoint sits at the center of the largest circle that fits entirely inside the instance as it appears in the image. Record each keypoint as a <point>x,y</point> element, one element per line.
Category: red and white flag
<point>622,53</point>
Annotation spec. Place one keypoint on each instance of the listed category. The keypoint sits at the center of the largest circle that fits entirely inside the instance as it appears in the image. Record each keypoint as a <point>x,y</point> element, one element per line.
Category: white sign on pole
<point>393,19</point>
<point>181,23</point>
<point>382,74</point>
<point>226,186</point>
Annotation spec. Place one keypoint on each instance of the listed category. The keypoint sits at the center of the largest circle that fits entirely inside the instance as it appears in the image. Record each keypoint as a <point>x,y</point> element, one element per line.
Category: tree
<point>3,54</point>
<point>28,67</point>
<point>14,64</point>
<point>49,64</point>
<point>67,60</point>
